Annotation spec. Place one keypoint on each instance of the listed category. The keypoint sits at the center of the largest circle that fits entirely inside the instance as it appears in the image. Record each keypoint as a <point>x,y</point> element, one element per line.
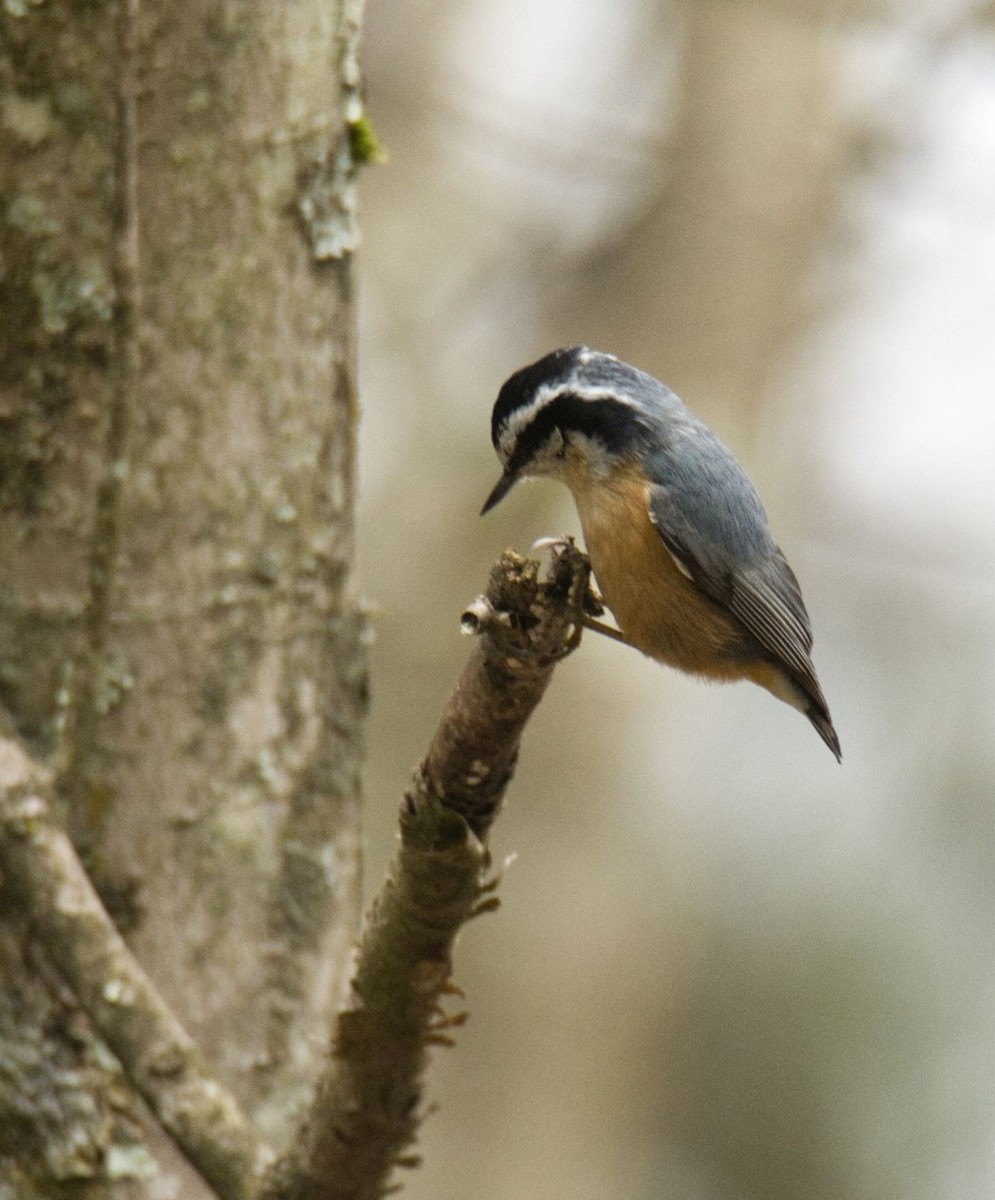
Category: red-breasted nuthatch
<point>677,536</point>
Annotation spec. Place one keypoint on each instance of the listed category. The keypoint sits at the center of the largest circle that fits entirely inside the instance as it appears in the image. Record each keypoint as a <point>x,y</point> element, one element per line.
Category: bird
<point>677,536</point>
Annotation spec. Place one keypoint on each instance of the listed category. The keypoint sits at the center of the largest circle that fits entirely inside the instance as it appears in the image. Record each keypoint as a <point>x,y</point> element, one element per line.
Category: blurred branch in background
<point>715,265</point>
<point>778,984</point>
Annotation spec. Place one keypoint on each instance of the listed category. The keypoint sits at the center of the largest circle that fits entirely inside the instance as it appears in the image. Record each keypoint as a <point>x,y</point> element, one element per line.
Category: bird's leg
<point>608,630</point>
<point>564,554</point>
<point>592,604</point>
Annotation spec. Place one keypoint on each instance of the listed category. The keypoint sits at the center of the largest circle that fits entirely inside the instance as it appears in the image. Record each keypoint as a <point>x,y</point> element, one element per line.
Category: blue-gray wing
<point>712,521</point>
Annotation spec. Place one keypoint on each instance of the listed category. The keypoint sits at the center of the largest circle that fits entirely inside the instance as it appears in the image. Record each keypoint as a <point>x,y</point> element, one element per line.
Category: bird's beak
<point>501,489</point>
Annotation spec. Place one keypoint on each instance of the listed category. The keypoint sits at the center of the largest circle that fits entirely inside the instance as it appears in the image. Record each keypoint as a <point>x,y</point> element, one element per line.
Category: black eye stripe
<point>520,390</point>
<point>605,420</point>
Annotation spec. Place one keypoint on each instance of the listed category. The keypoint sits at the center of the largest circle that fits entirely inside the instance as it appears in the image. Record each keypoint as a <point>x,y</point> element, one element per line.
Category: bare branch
<point>42,871</point>
<point>368,1106</point>
<point>527,629</point>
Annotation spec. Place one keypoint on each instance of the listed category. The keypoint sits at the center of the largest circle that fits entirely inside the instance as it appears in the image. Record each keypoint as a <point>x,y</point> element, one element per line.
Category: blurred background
<point>725,967</point>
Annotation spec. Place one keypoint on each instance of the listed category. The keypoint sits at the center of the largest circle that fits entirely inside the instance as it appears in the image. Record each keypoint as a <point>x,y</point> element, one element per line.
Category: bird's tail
<point>818,714</point>
<point>803,694</point>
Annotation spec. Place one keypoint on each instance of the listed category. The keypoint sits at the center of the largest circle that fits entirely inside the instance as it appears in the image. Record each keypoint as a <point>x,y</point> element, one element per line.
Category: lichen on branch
<point>370,1100</point>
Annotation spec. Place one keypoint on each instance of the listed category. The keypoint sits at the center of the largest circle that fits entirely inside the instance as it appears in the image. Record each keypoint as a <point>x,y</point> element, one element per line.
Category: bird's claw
<point>561,542</point>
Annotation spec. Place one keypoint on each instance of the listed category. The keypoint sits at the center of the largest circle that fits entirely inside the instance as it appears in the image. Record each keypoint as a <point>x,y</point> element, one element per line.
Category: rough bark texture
<point>49,886</point>
<point>526,627</point>
<point>177,417</point>
<point>369,1103</point>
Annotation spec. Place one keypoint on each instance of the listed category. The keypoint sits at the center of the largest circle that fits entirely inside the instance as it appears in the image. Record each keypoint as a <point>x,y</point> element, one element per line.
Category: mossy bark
<point>177,424</point>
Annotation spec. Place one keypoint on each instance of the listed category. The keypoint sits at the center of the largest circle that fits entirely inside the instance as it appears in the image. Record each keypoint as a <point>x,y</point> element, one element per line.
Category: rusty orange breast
<point>660,611</point>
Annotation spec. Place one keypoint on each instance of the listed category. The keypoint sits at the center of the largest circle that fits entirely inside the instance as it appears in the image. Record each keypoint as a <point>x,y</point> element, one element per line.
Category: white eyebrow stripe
<point>546,394</point>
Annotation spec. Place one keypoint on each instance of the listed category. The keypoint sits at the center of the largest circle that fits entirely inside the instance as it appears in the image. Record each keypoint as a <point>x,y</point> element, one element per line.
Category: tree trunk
<point>177,414</point>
